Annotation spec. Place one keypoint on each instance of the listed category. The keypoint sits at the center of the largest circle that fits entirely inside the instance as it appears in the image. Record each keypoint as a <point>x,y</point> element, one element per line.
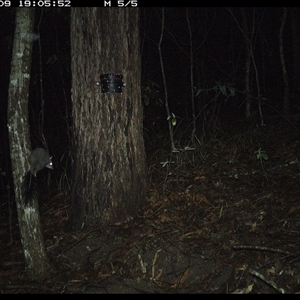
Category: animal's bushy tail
<point>29,188</point>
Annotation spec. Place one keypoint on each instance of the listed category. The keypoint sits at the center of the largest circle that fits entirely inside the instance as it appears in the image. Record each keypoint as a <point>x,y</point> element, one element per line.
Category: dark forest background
<point>219,54</point>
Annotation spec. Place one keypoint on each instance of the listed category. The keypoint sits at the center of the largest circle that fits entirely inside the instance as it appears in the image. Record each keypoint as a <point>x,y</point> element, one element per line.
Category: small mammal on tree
<point>39,159</point>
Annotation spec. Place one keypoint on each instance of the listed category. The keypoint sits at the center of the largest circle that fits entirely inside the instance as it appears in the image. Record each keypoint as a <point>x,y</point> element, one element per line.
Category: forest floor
<point>221,218</point>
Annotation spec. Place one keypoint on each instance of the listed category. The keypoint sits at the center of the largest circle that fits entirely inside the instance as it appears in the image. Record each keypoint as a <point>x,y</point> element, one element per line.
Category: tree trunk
<point>286,99</point>
<point>109,182</point>
<point>36,260</point>
<point>296,54</point>
<point>191,75</point>
<point>248,100</point>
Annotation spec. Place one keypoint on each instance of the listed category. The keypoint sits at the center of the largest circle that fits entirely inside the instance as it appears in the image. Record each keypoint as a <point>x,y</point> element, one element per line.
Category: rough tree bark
<point>109,181</point>
<point>36,260</point>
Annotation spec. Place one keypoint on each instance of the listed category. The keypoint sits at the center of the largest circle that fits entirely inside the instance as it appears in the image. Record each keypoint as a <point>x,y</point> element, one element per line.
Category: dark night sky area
<point>219,56</point>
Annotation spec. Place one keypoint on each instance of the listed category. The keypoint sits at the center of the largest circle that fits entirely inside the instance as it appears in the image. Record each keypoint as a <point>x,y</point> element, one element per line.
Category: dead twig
<point>269,282</point>
<point>259,248</point>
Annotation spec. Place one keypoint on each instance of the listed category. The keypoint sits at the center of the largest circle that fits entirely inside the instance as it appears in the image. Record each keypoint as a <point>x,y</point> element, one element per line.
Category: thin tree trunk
<point>286,99</point>
<point>296,54</point>
<point>169,117</point>
<point>249,41</point>
<point>247,85</point>
<point>191,76</point>
<point>248,100</point>
<point>36,260</point>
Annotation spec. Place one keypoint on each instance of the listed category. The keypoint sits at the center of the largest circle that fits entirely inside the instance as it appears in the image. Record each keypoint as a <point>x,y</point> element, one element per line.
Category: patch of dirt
<point>222,218</point>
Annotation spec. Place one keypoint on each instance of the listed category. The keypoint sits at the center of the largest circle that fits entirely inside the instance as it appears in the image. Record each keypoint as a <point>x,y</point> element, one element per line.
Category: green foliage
<point>261,155</point>
<point>173,119</point>
<point>150,94</point>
